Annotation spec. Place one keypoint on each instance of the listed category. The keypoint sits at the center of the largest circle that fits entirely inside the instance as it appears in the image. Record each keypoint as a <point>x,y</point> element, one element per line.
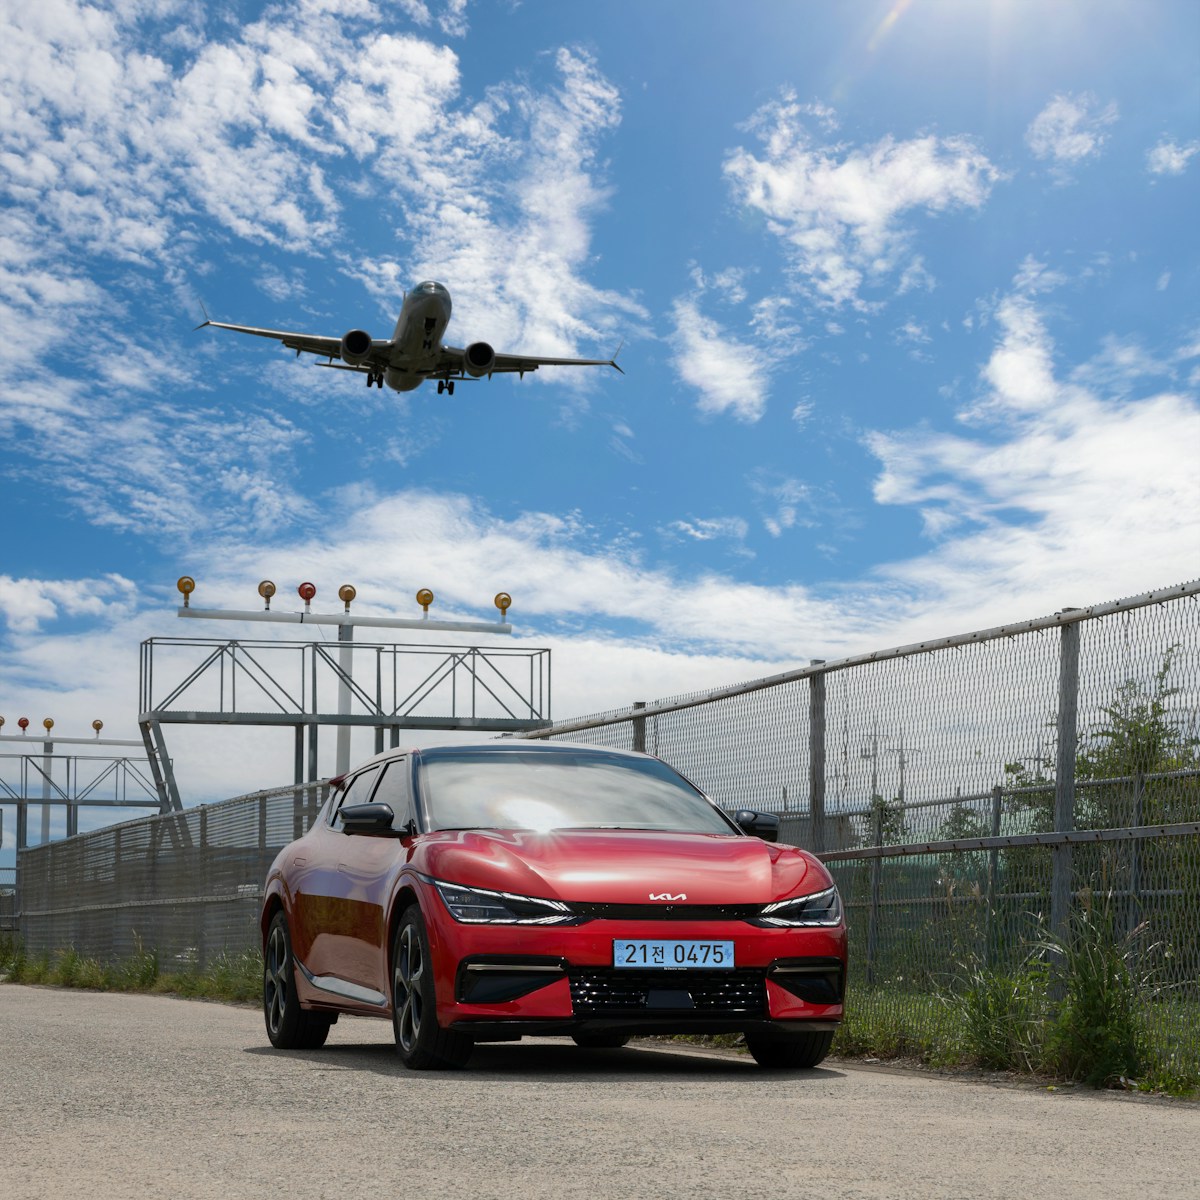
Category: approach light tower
<point>346,623</point>
<point>30,776</point>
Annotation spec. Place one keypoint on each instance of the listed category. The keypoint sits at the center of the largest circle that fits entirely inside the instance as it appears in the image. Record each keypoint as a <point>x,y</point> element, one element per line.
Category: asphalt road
<point>107,1096</point>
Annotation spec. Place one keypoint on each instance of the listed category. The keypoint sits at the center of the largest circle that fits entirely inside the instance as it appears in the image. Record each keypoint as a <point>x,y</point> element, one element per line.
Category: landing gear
<point>374,378</point>
<point>446,385</point>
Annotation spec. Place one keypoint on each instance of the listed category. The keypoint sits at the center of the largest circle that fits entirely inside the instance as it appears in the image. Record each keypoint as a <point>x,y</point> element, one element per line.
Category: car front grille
<point>667,912</point>
<point>602,993</point>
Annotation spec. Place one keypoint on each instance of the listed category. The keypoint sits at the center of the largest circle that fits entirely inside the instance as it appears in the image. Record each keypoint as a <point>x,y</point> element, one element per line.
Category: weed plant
<point>1096,1031</point>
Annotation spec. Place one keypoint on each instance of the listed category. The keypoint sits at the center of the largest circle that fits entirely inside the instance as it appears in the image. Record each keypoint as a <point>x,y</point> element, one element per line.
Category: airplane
<point>415,352</point>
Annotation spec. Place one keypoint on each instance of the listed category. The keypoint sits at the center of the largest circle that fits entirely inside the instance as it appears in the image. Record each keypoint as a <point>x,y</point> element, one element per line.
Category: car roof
<point>502,745</point>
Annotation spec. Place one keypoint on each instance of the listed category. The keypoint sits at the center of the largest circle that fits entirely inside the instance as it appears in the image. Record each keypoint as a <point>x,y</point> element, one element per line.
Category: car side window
<point>356,791</point>
<point>395,789</point>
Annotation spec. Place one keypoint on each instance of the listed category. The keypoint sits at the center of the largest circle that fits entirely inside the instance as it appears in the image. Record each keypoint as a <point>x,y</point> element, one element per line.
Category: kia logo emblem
<point>667,896</point>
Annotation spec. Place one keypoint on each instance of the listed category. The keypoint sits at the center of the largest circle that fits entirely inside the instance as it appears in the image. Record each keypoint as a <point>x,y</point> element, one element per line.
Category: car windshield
<point>509,789</point>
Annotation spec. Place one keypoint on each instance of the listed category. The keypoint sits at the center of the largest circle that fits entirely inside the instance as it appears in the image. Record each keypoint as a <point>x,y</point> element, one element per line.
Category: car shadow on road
<point>505,1062</point>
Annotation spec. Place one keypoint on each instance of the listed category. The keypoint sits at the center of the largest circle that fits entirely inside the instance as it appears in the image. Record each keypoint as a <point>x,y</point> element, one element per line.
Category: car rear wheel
<point>289,1026</point>
<point>600,1041</point>
<point>790,1050</point>
<point>423,1045</point>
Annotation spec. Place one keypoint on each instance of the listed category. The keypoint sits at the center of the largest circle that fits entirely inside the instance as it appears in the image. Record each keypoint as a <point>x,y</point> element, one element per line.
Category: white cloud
<point>785,502</point>
<point>706,529</point>
<point>26,604</point>
<point>730,375</point>
<point>1103,482</point>
<point>732,371</point>
<point>1070,129</point>
<point>843,212</point>
<point>501,209</point>
<point>1170,158</point>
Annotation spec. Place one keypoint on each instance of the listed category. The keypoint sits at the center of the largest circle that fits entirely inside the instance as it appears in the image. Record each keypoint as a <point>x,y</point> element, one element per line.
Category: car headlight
<point>821,909</point>
<point>474,906</point>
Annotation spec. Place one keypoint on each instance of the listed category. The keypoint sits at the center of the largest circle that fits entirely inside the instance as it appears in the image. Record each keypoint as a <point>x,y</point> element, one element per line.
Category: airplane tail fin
<point>612,362</point>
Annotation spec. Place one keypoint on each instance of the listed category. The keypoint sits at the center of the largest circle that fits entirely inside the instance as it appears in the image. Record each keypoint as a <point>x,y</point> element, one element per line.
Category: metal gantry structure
<point>39,772</point>
<point>384,686</point>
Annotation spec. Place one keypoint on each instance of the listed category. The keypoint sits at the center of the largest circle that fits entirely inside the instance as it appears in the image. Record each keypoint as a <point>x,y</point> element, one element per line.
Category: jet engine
<point>356,346</point>
<point>480,359</point>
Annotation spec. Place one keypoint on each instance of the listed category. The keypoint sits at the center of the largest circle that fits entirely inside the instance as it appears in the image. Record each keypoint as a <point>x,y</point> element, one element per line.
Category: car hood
<point>622,866</point>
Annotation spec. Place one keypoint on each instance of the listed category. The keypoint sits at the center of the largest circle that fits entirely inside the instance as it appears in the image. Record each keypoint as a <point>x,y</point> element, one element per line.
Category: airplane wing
<point>453,362</point>
<point>306,343</point>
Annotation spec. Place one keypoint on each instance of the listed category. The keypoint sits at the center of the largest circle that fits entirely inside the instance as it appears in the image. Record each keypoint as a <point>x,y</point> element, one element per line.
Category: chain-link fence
<point>8,901</point>
<point>185,885</point>
<point>978,797</point>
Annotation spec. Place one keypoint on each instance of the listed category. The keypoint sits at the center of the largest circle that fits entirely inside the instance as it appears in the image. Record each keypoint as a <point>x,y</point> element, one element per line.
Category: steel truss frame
<point>384,686</point>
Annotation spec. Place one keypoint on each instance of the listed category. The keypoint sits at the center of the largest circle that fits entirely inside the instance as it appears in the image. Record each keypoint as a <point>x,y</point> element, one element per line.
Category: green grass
<point>1001,1024</point>
<point>234,978</point>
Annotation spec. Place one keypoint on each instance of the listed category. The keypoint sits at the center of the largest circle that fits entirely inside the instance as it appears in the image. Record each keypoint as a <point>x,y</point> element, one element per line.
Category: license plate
<point>680,956</point>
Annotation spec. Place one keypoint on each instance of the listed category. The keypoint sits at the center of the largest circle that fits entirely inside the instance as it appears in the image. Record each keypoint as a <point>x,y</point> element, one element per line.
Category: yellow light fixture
<point>503,601</point>
<point>186,585</point>
<point>425,599</point>
<point>97,726</point>
<point>346,593</point>
<point>266,590</point>
<point>48,722</point>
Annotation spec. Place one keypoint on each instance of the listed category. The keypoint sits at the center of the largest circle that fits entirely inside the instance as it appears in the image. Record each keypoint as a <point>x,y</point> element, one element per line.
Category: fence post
<point>816,757</point>
<point>989,949</point>
<point>298,774</point>
<point>876,888</point>
<point>1135,864</point>
<point>206,890</point>
<point>639,728</point>
<point>1066,727</point>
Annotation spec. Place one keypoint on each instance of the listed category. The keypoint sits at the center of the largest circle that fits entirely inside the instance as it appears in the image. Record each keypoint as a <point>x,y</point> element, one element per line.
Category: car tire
<point>422,1044</point>
<point>600,1041</point>
<point>289,1026</point>
<point>789,1051</point>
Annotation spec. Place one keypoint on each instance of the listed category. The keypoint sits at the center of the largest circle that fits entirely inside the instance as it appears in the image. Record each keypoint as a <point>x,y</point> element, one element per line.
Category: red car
<point>482,893</point>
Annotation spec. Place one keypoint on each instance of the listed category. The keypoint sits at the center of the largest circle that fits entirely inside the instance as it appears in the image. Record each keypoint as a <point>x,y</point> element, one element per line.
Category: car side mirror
<point>759,824</point>
<point>367,818</point>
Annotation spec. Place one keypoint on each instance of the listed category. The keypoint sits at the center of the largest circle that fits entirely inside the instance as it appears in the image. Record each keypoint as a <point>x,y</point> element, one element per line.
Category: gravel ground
<point>108,1096</point>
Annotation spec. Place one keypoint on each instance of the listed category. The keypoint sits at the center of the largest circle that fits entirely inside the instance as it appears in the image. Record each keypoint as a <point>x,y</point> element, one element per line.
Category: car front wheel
<point>423,1045</point>
<point>288,1025</point>
<point>789,1051</point>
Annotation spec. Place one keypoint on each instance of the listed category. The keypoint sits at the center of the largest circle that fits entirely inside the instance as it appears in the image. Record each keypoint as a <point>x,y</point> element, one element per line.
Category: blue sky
<point>907,294</point>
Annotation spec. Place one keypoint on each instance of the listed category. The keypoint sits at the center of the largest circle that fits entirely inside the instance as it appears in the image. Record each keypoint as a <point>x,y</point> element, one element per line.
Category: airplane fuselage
<point>417,339</point>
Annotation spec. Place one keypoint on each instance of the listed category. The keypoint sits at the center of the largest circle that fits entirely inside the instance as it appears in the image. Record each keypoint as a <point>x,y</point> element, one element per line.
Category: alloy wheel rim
<point>275,979</point>
<point>410,967</point>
